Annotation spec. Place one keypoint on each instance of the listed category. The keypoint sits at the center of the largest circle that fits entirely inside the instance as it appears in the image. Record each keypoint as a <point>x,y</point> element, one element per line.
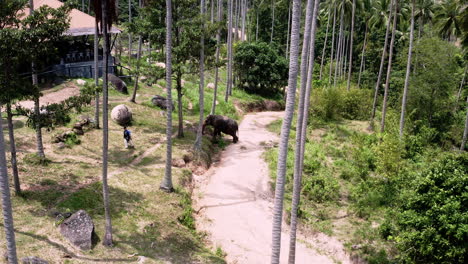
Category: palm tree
<point>339,46</point>
<point>166,185</point>
<point>198,140</point>
<point>424,14</point>
<point>301,129</point>
<point>218,44</point>
<point>272,19</point>
<point>449,22</point>
<point>105,13</point>
<point>351,46</point>
<point>285,130</point>
<point>140,42</point>
<point>35,82</point>
<point>324,45</point>
<point>244,14</point>
<point>361,67</point>
<point>382,60</point>
<point>229,66</point>
<point>289,28</point>
<point>130,40</point>
<point>465,132</point>
<point>14,165</point>
<point>6,202</point>
<point>332,46</point>
<point>96,72</point>
<point>408,67</point>
<point>389,68</point>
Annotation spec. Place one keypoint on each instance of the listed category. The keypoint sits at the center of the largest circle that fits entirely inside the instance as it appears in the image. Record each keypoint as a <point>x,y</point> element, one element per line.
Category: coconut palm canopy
<point>80,23</point>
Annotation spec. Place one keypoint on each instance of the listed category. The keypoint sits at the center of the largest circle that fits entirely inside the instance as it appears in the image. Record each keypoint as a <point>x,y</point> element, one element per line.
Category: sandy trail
<point>54,97</point>
<point>235,205</point>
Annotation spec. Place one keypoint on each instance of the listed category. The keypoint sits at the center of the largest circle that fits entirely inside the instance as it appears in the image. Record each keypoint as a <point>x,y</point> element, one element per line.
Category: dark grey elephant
<point>222,124</point>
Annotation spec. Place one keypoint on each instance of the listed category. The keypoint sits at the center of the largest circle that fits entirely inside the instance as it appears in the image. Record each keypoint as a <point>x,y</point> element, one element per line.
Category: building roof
<point>80,23</point>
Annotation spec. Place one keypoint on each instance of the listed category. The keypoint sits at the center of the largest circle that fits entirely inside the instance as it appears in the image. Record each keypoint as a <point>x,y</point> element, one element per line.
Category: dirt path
<point>54,97</point>
<point>235,205</point>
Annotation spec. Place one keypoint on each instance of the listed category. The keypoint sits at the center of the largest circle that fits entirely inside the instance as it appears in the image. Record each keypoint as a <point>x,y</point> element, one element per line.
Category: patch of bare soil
<point>234,204</point>
<point>54,97</point>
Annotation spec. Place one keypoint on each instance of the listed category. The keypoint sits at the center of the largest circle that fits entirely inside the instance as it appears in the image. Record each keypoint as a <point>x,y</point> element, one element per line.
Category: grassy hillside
<point>147,222</point>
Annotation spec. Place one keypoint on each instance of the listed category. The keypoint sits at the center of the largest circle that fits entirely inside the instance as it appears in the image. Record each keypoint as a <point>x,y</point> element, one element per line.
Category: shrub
<point>259,69</point>
<point>433,221</point>
<point>321,187</point>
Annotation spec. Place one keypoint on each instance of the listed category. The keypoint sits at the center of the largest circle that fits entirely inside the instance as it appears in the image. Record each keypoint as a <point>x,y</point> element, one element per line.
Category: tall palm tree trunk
<point>236,20</point>
<point>6,202</point>
<point>107,241</point>
<point>351,47</point>
<point>289,28</point>
<point>96,73</point>
<point>324,46</point>
<point>201,99</point>
<point>229,66</point>
<point>244,13</point>
<point>460,89</point>
<point>14,164</point>
<point>166,185</point>
<point>218,44</point>
<point>332,47</point>
<point>285,130</point>
<point>130,39</point>
<point>361,68</point>
<point>389,70</point>
<point>301,129</point>
<point>339,48</point>
<point>382,61</point>
<point>256,28</point>
<point>137,76</point>
<point>408,68</point>
<point>180,130</point>
<point>465,132</point>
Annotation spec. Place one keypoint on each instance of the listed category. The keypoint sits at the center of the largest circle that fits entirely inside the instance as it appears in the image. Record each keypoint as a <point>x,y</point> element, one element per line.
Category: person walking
<point>127,138</point>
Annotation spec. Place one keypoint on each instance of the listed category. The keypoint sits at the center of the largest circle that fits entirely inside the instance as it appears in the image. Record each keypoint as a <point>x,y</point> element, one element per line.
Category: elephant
<point>222,124</point>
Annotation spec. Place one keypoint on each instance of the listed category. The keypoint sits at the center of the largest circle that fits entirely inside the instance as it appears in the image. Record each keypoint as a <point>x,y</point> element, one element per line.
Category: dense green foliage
<point>259,69</point>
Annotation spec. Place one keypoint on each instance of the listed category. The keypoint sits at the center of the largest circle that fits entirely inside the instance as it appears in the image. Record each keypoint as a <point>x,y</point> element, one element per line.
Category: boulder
<point>78,131</point>
<point>78,229</point>
<point>81,82</point>
<point>178,163</point>
<point>33,260</point>
<point>122,115</point>
<point>210,86</point>
<point>61,145</point>
<point>118,84</point>
<point>271,105</point>
<point>160,101</point>
<point>161,65</point>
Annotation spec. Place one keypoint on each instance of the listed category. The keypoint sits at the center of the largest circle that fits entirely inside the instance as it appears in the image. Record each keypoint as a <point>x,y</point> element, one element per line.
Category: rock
<point>160,101</point>
<point>210,86</point>
<point>78,229</point>
<point>271,105</point>
<point>118,84</point>
<point>178,163</point>
<point>33,260</point>
<point>61,145</point>
<point>78,131</point>
<point>80,82</point>
<point>122,115</point>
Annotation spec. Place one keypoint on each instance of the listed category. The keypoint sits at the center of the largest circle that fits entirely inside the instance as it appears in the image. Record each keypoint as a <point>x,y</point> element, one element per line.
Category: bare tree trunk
<point>244,13</point>
<point>6,202</point>
<point>460,89</point>
<point>256,29</point>
<point>301,127</point>
<point>389,71</point>
<point>465,132</point>
<point>180,131</point>
<point>198,140</point>
<point>218,44</point>
<point>289,28</point>
<point>14,164</point>
<point>408,68</point>
<point>361,68</point>
<point>382,61</point>
<point>285,131</point>
<point>137,76</point>
<point>166,185</point>
<point>332,47</point>
<point>236,20</point>
<point>96,73</point>
<point>324,46</point>
<point>107,241</point>
<point>130,40</point>
<point>212,11</point>
<point>229,66</point>
<point>351,47</point>
<point>339,48</point>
